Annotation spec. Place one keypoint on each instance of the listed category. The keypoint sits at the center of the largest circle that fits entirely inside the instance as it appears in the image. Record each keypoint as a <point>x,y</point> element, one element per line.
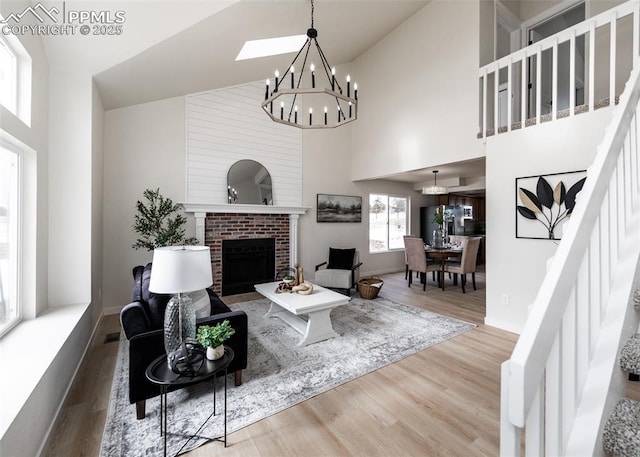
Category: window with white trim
<point>388,222</point>
<point>8,76</point>
<point>10,312</point>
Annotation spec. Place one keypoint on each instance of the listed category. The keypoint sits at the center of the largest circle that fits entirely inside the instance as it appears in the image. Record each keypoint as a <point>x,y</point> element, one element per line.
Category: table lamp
<point>179,270</point>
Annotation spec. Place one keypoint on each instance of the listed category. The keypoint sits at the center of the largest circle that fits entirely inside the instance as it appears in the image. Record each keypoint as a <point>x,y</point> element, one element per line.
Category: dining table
<point>443,254</point>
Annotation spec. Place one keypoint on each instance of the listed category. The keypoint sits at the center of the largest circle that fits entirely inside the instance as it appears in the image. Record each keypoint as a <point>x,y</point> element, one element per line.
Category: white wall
<point>70,175</point>
<point>419,93</point>
<point>97,168</point>
<point>144,148</point>
<point>327,170</point>
<point>515,267</point>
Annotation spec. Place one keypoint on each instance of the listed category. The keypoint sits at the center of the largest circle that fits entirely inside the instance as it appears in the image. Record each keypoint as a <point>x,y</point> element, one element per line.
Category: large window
<point>8,76</point>
<point>388,222</point>
<point>9,238</point>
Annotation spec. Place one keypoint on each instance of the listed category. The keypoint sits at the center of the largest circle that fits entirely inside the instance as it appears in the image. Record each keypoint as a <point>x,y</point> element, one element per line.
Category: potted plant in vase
<point>212,338</point>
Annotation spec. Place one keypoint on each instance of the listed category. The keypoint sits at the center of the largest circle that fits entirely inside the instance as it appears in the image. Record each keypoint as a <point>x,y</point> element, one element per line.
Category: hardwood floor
<point>443,401</point>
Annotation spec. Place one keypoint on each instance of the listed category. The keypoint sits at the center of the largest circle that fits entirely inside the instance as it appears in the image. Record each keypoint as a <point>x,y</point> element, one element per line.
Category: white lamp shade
<point>178,269</point>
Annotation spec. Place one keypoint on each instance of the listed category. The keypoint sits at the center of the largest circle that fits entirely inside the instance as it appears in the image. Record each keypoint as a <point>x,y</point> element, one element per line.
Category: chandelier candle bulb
<point>325,115</point>
<point>333,78</point>
<point>295,114</point>
<point>313,76</point>
<point>349,109</point>
<point>348,86</point>
<point>310,116</point>
<point>292,77</point>
<point>266,91</point>
<point>277,75</point>
<point>281,110</point>
<point>271,107</point>
<point>355,91</point>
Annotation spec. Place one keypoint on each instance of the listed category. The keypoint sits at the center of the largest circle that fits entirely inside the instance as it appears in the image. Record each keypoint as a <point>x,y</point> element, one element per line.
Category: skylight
<point>271,47</point>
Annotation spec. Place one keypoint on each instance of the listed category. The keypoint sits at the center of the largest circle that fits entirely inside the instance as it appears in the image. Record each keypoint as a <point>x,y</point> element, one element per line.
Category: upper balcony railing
<point>576,70</point>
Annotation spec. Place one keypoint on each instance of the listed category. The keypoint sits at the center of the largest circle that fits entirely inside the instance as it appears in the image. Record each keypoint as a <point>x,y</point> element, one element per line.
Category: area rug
<point>374,333</point>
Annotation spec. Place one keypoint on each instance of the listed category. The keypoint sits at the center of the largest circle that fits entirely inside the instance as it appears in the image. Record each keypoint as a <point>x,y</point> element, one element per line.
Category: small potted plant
<point>213,337</point>
<point>288,279</point>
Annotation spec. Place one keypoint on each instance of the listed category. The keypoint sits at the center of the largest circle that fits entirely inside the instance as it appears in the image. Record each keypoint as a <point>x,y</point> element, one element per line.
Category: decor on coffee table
<point>213,337</point>
<point>280,373</point>
<point>179,270</point>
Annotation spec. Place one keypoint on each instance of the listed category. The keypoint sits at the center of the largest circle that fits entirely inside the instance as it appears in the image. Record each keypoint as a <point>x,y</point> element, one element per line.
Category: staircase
<point>562,390</point>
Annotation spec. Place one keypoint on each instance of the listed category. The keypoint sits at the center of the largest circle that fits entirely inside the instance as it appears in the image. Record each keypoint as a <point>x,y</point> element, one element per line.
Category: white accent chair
<point>341,271</point>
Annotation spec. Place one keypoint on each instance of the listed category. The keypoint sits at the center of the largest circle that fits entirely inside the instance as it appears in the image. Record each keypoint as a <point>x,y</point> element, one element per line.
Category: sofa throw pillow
<point>341,259</point>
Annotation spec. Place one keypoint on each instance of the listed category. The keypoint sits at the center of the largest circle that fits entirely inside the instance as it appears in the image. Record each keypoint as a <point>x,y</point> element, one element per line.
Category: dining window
<point>388,222</point>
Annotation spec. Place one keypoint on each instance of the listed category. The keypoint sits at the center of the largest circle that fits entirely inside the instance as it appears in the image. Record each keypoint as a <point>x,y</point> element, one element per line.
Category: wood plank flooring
<point>443,401</point>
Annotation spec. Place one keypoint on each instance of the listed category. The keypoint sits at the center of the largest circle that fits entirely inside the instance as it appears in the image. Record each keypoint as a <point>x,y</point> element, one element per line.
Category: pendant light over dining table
<point>314,90</point>
<point>435,189</point>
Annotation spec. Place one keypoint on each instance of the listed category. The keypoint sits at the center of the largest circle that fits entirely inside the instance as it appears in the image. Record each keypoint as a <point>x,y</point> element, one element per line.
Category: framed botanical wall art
<point>339,208</point>
<point>545,202</point>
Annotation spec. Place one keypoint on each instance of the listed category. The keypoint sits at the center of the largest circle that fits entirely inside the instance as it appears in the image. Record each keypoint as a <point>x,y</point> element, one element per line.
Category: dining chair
<point>456,240</point>
<point>406,262</point>
<point>417,260</point>
<point>467,263</point>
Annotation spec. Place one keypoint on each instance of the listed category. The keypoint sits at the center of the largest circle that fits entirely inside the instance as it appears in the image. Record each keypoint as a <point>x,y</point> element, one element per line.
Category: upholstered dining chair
<point>467,262</point>
<point>456,240</point>
<point>417,260</point>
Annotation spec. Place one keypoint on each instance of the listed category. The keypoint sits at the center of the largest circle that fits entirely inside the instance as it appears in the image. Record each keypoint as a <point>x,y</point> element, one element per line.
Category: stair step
<point>621,435</point>
<point>636,299</point>
<point>630,355</point>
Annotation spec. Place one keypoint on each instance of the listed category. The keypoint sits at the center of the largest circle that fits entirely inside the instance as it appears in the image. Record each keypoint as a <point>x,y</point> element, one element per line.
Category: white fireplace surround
<point>200,211</point>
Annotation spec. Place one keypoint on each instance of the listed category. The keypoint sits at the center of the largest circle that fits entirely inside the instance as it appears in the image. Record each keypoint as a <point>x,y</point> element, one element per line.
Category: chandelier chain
<point>312,8</point>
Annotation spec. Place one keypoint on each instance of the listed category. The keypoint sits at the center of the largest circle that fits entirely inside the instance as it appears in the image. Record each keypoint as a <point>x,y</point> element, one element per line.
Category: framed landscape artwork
<point>545,202</point>
<point>339,208</point>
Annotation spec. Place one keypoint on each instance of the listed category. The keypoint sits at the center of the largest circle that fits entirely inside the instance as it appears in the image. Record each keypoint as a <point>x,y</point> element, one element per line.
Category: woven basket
<point>367,291</point>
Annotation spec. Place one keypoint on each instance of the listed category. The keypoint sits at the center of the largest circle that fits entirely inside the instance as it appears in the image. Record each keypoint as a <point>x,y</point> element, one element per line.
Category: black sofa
<point>142,322</point>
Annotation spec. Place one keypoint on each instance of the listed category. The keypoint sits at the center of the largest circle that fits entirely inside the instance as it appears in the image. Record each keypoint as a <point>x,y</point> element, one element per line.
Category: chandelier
<point>435,189</point>
<point>307,100</point>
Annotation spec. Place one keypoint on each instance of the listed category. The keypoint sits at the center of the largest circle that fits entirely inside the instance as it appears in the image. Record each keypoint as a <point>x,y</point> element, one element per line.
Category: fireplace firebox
<point>246,262</point>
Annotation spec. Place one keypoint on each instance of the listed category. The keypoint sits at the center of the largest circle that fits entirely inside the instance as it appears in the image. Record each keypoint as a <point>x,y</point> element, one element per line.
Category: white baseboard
<point>111,310</point>
<point>502,325</point>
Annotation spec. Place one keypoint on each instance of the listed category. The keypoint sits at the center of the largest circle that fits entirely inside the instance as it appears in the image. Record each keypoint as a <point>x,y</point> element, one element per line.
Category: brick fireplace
<point>218,222</point>
<point>234,226</point>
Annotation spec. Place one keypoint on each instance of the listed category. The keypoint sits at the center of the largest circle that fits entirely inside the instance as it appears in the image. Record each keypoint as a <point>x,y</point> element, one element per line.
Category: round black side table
<point>159,373</point>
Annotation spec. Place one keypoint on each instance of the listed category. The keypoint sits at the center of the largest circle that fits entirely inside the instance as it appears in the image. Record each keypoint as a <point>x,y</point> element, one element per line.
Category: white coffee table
<point>316,306</point>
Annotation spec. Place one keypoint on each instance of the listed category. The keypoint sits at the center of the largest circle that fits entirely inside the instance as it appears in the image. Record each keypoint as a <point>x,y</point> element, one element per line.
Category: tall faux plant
<point>159,223</point>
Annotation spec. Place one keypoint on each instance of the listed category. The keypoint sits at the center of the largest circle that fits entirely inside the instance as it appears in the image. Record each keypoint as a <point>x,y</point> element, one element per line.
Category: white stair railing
<point>561,371</point>
<point>525,103</point>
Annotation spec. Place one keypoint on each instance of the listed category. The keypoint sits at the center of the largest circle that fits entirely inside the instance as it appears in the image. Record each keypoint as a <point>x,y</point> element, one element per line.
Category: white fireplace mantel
<point>200,211</point>
<point>244,209</point>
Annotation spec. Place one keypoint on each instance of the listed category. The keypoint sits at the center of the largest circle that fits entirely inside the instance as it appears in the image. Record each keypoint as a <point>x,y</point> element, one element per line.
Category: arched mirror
<point>249,183</point>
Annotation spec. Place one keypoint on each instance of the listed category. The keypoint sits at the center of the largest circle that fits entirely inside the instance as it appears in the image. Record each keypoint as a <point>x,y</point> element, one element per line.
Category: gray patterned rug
<point>279,375</point>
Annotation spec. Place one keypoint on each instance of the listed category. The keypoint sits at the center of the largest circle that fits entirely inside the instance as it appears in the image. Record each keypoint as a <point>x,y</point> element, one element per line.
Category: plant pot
<point>215,353</point>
